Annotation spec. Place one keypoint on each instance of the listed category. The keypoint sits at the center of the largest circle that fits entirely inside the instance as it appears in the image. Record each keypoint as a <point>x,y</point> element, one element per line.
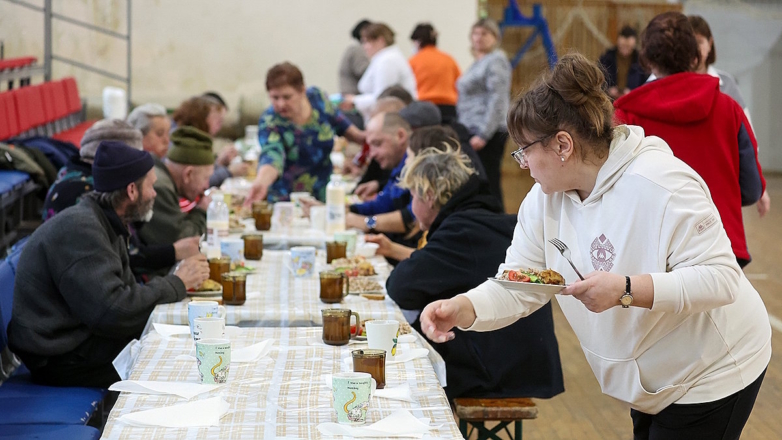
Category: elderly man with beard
<point>76,302</point>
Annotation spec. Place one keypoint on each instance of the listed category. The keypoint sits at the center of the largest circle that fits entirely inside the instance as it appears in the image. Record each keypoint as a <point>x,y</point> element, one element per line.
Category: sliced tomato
<point>523,278</point>
<point>513,276</point>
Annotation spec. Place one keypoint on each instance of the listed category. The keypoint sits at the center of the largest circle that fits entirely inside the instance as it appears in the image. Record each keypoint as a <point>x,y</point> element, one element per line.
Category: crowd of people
<point>642,162</point>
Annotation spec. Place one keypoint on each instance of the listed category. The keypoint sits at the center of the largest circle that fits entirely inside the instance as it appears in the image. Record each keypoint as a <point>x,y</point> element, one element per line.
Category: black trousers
<point>491,157</point>
<point>722,419</point>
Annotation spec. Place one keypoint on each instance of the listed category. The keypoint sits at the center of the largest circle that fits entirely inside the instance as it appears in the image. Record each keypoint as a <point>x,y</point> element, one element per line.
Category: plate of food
<point>207,288</point>
<point>546,281</point>
<point>240,268</point>
<point>354,267</point>
<point>365,285</point>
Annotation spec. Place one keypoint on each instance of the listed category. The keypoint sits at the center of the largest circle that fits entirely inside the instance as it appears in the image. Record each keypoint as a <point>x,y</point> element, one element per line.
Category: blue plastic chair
<point>24,402</point>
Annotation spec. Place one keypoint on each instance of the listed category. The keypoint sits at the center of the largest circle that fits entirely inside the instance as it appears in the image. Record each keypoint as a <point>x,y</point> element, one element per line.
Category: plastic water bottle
<point>216,221</point>
<point>335,205</point>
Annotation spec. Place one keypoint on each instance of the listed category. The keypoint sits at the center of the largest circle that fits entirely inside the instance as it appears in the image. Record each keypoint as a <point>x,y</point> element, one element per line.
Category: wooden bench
<point>476,412</point>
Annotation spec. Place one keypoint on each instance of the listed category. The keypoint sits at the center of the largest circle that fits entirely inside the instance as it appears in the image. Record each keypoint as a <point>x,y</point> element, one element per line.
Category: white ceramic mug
<point>208,328</point>
<point>383,335</point>
<point>351,395</point>
<point>303,261</point>
<point>350,237</point>
<point>203,309</point>
<point>283,214</point>
<point>232,247</point>
<point>318,218</point>
<point>213,357</point>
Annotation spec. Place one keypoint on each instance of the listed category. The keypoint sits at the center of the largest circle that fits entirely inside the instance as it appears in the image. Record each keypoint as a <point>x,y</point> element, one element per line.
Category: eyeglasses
<point>519,156</point>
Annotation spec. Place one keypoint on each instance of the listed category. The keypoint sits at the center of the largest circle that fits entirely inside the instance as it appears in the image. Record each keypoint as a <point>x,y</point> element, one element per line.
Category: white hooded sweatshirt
<point>707,335</point>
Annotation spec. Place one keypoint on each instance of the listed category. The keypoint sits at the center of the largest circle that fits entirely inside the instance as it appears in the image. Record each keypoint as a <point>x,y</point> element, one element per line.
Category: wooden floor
<point>583,412</point>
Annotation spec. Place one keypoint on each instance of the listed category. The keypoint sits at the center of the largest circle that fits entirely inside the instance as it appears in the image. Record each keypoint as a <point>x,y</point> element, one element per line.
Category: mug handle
<point>221,312</point>
<point>347,286</point>
<point>358,325</point>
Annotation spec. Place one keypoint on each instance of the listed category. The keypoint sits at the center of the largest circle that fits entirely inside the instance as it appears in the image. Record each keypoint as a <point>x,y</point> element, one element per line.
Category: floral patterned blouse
<point>300,153</point>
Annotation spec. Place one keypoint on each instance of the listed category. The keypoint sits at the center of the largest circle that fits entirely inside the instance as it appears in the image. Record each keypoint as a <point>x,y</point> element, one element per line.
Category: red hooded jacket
<point>709,131</point>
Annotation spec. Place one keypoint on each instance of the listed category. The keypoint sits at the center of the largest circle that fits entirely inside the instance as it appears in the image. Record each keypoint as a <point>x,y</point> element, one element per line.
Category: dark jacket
<point>466,243</point>
<point>75,293</point>
<point>636,76</point>
<point>710,132</point>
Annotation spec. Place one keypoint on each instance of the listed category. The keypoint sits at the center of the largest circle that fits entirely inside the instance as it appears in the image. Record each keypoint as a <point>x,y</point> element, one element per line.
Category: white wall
<point>185,47</point>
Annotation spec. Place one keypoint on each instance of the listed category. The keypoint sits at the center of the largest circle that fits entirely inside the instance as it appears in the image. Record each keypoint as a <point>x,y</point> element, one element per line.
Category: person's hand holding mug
<point>257,192</point>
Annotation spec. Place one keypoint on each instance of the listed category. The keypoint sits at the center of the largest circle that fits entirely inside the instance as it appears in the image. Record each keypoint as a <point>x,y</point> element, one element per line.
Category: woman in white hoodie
<point>387,67</point>
<point>667,320</point>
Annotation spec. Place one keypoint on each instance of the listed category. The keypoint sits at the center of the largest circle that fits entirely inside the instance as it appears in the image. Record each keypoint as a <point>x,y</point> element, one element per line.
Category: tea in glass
<point>333,287</point>
<point>336,326</point>
<point>217,267</point>
<point>262,213</point>
<point>336,249</point>
<point>234,289</point>
<point>253,246</point>
<point>372,362</point>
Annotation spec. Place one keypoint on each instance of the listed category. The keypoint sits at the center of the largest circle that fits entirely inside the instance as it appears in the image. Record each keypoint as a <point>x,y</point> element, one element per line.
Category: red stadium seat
<point>47,98</point>
<point>57,89</point>
<point>10,110</point>
<point>72,95</point>
<point>22,109</point>
<point>5,126</point>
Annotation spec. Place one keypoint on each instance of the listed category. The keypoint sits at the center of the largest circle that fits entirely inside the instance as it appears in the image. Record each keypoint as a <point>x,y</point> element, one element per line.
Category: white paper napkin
<point>409,338</point>
<point>253,352</point>
<point>169,330</point>
<point>186,390</point>
<point>401,392</point>
<point>206,412</point>
<point>399,424</point>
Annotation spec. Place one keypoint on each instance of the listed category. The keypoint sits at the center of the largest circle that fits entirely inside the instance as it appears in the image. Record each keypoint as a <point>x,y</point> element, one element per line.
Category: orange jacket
<point>436,73</point>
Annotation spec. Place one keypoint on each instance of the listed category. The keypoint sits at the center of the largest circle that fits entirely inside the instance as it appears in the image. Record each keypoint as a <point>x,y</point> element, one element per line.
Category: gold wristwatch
<point>627,298</point>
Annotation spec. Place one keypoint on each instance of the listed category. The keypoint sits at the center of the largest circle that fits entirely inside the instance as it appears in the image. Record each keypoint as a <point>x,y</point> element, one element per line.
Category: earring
<point>562,157</point>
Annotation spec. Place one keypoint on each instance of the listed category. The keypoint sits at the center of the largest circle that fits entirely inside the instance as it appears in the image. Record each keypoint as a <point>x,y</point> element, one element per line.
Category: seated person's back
<point>467,238</point>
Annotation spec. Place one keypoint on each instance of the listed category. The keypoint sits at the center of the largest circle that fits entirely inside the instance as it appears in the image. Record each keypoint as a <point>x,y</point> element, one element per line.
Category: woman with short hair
<point>296,134</point>
<point>153,122</point>
<point>484,94</point>
<point>435,71</point>
<point>667,320</point>
<point>705,128</point>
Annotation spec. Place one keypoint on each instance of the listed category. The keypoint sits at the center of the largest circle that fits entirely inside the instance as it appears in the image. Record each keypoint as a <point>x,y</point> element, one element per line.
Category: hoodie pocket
<point>621,379</point>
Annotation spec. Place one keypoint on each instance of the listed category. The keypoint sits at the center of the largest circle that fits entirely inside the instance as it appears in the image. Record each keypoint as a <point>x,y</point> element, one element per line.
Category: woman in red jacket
<point>704,127</point>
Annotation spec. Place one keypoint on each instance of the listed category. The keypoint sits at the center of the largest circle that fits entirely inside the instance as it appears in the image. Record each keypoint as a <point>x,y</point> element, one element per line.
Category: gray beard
<point>148,217</point>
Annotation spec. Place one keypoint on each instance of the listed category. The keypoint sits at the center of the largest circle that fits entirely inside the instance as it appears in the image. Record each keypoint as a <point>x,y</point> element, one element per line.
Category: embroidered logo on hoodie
<point>602,253</point>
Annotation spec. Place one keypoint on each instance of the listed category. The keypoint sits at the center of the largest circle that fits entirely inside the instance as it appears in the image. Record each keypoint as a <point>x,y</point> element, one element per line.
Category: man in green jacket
<point>76,301</point>
<point>183,173</point>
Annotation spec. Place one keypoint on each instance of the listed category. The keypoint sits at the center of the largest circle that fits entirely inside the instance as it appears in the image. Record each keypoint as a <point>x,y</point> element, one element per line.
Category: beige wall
<point>184,47</point>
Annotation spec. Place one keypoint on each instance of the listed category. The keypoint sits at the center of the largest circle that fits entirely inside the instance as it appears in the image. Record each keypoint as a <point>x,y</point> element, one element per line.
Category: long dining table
<point>284,394</point>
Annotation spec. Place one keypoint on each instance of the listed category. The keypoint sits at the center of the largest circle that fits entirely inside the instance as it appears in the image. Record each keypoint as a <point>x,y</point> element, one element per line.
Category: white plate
<point>206,293</point>
<point>546,289</point>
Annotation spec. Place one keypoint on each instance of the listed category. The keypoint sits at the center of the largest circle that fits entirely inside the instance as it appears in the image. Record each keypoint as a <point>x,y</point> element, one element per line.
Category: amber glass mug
<point>336,326</point>
<point>333,286</point>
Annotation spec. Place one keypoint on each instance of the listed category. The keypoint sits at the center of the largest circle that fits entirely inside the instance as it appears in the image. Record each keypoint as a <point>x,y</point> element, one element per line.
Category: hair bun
<point>577,80</point>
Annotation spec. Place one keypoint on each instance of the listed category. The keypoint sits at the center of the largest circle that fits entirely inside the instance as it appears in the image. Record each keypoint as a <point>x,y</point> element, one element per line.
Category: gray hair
<point>437,174</point>
<point>141,116</point>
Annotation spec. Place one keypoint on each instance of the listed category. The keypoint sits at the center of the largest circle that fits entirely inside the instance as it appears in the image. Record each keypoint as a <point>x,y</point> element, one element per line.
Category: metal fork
<point>565,251</point>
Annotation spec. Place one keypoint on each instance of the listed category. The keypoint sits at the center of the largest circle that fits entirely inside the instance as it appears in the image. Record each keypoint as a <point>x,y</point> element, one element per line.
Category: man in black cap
<point>76,301</point>
<point>183,173</point>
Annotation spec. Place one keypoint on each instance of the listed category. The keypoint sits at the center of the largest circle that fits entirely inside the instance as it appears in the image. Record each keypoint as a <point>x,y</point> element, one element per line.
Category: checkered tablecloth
<point>283,395</point>
<point>275,298</point>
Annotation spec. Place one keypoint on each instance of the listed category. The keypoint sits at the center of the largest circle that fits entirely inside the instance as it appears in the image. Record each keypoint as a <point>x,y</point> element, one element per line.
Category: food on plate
<point>234,223</point>
<point>380,296</point>
<point>208,286</point>
<point>354,267</point>
<point>404,328</point>
<point>364,284</point>
<point>240,268</point>
<point>535,276</point>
